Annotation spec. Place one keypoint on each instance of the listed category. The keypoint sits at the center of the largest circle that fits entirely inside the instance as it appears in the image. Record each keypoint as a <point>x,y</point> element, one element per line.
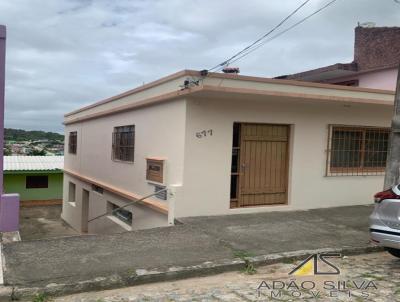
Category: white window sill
<point>120,223</point>
<point>72,204</point>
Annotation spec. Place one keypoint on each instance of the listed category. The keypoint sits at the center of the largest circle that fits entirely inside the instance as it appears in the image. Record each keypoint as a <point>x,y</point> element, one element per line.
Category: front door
<point>263,164</point>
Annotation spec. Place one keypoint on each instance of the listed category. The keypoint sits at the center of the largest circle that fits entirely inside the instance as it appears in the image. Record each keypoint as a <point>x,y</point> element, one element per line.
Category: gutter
<point>14,172</point>
<point>197,90</point>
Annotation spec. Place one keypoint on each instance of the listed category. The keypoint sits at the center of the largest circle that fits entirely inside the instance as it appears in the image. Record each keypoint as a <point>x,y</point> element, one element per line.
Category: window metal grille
<point>72,142</point>
<point>160,193</point>
<point>123,143</point>
<point>357,150</point>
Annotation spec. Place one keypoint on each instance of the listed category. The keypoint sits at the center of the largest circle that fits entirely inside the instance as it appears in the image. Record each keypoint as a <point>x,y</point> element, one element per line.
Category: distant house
<point>38,179</point>
<point>375,64</point>
<point>222,144</point>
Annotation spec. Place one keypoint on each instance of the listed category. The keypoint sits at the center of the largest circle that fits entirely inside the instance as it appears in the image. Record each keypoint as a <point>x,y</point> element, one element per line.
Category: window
<point>37,182</point>
<point>357,150</point>
<point>353,83</point>
<point>97,189</point>
<point>235,165</point>
<point>72,142</point>
<point>121,213</point>
<point>71,192</point>
<point>123,143</point>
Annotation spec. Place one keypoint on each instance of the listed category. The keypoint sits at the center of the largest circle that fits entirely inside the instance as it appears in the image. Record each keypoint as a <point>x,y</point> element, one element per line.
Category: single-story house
<point>37,179</point>
<point>222,144</point>
<point>375,63</point>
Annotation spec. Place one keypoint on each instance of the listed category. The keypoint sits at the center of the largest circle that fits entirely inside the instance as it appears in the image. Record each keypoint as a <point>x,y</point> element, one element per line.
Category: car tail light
<point>388,194</point>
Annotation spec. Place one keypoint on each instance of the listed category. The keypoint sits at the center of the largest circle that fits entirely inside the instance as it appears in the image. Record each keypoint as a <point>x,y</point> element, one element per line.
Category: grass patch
<point>40,297</point>
<point>288,260</point>
<point>249,268</point>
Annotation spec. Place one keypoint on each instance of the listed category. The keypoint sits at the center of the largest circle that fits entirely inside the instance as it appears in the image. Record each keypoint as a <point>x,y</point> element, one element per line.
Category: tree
<point>35,152</point>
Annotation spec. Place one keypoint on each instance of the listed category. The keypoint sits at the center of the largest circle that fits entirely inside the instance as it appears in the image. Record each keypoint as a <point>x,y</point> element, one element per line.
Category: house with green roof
<point>37,179</point>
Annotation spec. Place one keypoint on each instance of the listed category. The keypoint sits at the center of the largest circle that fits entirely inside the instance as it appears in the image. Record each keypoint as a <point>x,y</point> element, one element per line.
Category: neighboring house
<point>375,64</point>
<point>37,179</point>
<point>222,144</point>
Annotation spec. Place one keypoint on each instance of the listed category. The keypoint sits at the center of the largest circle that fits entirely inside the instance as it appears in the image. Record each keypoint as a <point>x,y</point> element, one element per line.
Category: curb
<point>142,276</point>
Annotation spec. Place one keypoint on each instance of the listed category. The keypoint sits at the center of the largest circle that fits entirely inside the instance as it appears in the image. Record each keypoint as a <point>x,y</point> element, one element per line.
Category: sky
<point>64,54</point>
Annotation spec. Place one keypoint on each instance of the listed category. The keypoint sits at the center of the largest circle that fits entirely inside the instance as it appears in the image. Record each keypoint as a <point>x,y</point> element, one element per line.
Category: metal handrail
<point>128,204</point>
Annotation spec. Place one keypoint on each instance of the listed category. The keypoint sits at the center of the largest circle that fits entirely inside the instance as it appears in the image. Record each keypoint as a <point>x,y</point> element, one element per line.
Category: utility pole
<point>392,174</point>
<point>2,85</point>
<point>9,203</point>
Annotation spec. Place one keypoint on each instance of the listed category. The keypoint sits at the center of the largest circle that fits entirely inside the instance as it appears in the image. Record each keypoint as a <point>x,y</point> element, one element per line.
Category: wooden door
<point>264,157</point>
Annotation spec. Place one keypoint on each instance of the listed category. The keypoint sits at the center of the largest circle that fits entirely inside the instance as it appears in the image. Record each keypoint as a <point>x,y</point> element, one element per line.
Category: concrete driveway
<point>42,222</point>
<point>267,233</point>
<point>120,259</point>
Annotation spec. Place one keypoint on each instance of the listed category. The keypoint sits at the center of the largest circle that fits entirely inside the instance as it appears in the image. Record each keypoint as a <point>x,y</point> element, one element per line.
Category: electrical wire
<point>255,47</point>
<point>262,37</point>
<point>284,31</point>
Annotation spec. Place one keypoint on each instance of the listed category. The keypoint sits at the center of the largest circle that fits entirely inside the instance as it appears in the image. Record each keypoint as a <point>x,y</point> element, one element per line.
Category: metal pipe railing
<point>128,204</point>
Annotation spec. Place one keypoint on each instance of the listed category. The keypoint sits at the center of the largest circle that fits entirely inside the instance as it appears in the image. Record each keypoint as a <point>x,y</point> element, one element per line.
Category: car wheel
<point>394,252</point>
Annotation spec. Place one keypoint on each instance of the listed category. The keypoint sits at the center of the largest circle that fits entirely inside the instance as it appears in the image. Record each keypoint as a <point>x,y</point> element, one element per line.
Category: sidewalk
<point>199,246</point>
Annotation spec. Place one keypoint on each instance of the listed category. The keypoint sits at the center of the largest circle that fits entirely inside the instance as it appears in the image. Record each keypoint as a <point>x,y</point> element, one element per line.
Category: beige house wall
<point>206,189</point>
<point>143,217</point>
<point>377,79</point>
<point>199,168</point>
<point>159,132</point>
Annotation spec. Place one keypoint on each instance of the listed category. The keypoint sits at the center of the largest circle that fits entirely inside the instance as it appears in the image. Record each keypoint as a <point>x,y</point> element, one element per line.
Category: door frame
<point>287,172</point>
<point>85,211</point>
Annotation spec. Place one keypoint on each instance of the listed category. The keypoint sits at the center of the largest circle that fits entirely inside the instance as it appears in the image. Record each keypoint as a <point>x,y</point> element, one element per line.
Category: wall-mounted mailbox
<point>155,170</point>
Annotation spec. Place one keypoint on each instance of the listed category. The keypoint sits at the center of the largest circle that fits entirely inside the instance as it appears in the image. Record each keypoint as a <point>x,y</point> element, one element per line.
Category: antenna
<point>371,24</point>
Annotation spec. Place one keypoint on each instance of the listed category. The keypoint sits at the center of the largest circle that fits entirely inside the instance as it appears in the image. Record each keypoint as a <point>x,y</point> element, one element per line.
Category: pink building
<point>375,64</point>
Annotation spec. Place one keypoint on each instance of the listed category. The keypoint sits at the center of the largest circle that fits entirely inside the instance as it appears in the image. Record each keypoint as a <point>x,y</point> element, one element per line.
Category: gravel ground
<point>376,275</point>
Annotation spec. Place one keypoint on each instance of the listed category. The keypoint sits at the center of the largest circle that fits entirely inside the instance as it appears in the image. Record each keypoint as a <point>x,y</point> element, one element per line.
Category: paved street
<point>370,277</point>
<point>76,260</point>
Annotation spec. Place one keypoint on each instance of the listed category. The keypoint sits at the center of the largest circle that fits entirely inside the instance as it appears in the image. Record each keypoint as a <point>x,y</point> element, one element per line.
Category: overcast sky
<point>63,54</point>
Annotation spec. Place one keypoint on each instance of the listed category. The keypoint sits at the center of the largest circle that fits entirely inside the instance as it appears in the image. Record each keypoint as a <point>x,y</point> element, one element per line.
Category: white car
<point>385,220</point>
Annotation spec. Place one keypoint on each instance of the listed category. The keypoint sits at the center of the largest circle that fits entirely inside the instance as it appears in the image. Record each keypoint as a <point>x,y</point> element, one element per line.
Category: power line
<point>282,32</point>
<point>286,30</point>
<point>262,37</point>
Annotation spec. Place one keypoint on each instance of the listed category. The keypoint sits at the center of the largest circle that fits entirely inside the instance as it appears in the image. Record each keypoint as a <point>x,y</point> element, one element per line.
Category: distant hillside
<point>23,135</point>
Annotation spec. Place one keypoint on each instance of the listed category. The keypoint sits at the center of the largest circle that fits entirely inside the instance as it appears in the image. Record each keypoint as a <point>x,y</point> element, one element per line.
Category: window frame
<point>73,143</point>
<point>360,170</point>
<point>118,216</point>
<point>71,192</point>
<point>118,156</point>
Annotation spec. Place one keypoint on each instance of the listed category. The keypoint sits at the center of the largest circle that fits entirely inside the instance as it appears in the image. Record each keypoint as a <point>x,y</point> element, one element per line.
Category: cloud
<point>64,54</point>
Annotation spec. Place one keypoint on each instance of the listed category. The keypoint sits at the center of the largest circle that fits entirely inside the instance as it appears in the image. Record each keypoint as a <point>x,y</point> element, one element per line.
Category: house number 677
<point>204,133</point>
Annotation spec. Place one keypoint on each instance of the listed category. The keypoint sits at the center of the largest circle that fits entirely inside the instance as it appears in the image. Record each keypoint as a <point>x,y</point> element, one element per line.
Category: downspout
<point>9,203</point>
<point>2,85</point>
